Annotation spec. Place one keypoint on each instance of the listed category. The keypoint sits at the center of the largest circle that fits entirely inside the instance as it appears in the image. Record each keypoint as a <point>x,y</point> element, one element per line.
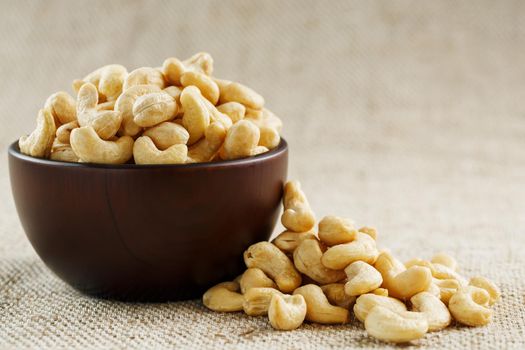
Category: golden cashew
<point>196,116</point>
<point>255,278</point>
<point>64,131</point>
<point>206,85</point>
<point>208,147</point>
<point>275,264</point>
<point>445,259</point>
<point>362,278</point>
<point>62,106</point>
<point>125,104</point>
<point>235,92</point>
<point>443,272</point>
<point>89,147</point>
<point>111,80</point>
<point>241,141</point>
<point>216,116</point>
<point>201,62</point>
<point>468,306</point>
<point>489,286</point>
<point>234,110</point>
<point>307,259</point>
<point>175,91</point>
<point>297,215</point>
<point>144,76</point>
<point>334,230</point>
<point>154,108</point>
<point>287,312</point>
<point>340,256</point>
<point>434,290</point>
<point>40,141</point>
<point>335,293</point>
<point>435,311</point>
<point>396,327</point>
<point>167,134</point>
<point>63,153</point>
<point>366,302</point>
<point>223,297</point>
<point>145,152</point>
<point>447,288</point>
<point>318,309</point>
<point>269,126</point>
<point>288,241</point>
<point>257,300</point>
<point>380,291</point>
<point>106,106</point>
<point>420,262</point>
<point>173,68</point>
<point>371,231</point>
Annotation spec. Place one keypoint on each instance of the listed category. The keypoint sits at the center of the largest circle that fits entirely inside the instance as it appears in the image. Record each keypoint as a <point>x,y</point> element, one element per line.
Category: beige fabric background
<point>406,115</point>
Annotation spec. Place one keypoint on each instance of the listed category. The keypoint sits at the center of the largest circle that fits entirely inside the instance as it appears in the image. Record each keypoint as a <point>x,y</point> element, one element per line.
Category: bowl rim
<point>14,151</point>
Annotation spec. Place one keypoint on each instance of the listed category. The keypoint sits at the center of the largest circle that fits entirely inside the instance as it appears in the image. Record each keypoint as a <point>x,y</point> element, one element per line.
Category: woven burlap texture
<point>406,115</point>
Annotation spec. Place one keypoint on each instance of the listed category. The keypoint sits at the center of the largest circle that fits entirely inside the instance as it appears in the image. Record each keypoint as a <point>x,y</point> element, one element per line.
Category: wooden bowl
<point>147,232</point>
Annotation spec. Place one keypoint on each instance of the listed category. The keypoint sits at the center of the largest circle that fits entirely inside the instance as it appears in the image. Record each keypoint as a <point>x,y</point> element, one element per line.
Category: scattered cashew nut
<point>287,312</point>
<point>223,297</point>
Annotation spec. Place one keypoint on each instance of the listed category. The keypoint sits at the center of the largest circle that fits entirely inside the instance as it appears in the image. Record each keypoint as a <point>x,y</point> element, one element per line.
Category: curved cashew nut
<point>175,91</point>
<point>257,300</point>
<point>111,80</point>
<point>125,104</point>
<point>153,108</point>
<point>318,309</point>
<point>371,231</point>
<point>396,327</point>
<point>288,241</point>
<point>420,262</point>
<point>287,312</point>
<point>40,141</point>
<point>64,131</point>
<point>62,106</point>
<point>269,125</point>
<point>335,293</point>
<point>144,76</point>
<point>362,278</point>
<point>340,256</point>
<point>105,123</point>
<point>334,230</point>
<point>444,272</point>
<point>446,260</point>
<point>447,288</point>
<point>206,85</point>
<point>241,141</point>
<point>307,259</point>
<point>145,152</point>
<point>255,278</point>
<point>63,153</point>
<point>401,282</point>
<point>435,311</point>
<point>167,134</point>
<point>489,286</point>
<point>173,68</point>
<point>208,147</point>
<point>216,116</point>
<point>468,306</point>
<point>89,147</point>
<point>234,110</point>
<point>297,215</point>
<point>235,92</point>
<point>275,264</point>
<point>366,302</point>
<point>196,116</point>
<point>223,297</point>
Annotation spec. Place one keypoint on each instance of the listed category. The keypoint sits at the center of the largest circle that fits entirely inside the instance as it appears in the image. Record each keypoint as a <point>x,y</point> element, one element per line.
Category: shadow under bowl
<point>147,232</point>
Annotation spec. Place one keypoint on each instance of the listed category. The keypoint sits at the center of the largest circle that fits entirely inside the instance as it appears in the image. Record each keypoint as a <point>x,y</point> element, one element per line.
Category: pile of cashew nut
<point>174,114</point>
<point>321,277</point>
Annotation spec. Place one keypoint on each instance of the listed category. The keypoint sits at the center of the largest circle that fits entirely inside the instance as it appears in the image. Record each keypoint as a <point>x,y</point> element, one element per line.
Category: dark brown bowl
<point>147,232</point>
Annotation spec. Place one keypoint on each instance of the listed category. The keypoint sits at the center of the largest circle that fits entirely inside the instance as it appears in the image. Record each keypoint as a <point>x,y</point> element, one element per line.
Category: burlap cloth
<point>407,115</point>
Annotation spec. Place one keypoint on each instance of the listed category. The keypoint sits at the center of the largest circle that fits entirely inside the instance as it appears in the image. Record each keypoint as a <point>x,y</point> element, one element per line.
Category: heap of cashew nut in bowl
<point>175,114</point>
<point>324,276</point>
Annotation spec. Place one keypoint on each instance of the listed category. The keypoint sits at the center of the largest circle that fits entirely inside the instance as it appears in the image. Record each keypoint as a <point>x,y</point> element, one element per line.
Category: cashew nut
<point>39,142</point>
<point>420,262</point>
<point>167,134</point>
<point>435,311</point>
<point>175,91</point>
<point>288,241</point>
<point>196,116</point>
<point>154,108</point>
<point>63,153</point>
<point>287,312</point>
<point>106,106</point>
<point>62,106</point>
<point>275,264</point>
<point>395,326</point>
<point>380,291</point>
<point>371,231</point>
<point>340,256</point>
<point>206,85</point>
<point>235,92</point>
<point>209,146</point>
<point>111,79</point>
<point>241,141</point>
<point>307,259</point>
<point>234,110</point>
<point>335,293</point>
<point>223,297</point>
<point>144,76</point>
<point>489,286</point>
<point>297,215</point>
<point>255,278</point>
<point>145,152</point>
<point>444,272</point>
<point>447,288</point>
<point>269,126</point>
<point>366,302</point>
<point>89,147</point>
<point>318,309</point>
<point>173,68</point>
<point>446,260</point>
<point>362,278</point>
<point>125,104</point>
<point>469,306</point>
<point>64,131</point>
<point>334,230</point>
<point>257,300</point>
